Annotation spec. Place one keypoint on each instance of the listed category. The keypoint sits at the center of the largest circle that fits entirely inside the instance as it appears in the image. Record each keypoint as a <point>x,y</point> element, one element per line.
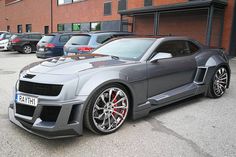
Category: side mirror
<point>161,55</point>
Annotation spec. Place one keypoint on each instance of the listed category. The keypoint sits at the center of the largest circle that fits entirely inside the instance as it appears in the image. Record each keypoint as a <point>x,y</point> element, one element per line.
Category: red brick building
<point>213,22</point>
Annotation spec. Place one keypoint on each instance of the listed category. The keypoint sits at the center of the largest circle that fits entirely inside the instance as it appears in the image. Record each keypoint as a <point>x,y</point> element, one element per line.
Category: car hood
<point>4,41</point>
<point>74,64</point>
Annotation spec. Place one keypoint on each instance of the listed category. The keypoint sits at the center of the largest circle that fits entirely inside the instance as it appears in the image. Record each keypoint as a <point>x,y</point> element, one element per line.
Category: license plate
<point>71,54</point>
<point>41,49</point>
<point>28,100</point>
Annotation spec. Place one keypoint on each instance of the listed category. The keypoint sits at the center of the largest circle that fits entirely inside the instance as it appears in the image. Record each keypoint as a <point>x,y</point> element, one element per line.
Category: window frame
<point>72,27</point>
<point>18,28</point>
<point>180,40</point>
<point>63,26</point>
<point>27,26</point>
<point>110,11</point>
<point>63,36</point>
<point>71,2</point>
<point>100,23</point>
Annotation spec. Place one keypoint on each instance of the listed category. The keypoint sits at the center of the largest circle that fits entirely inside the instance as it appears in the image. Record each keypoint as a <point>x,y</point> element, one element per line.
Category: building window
<point>46,29</point>
<point>147,3</point>
<point>8,28</point>
<point>61,2</point>
<point>95,26</point>
<point>107,8</point>
<point>28,27</point>
<point>122,5</point>
<point>76,27</point>
<point>60,27</point>
<point>19,28</point>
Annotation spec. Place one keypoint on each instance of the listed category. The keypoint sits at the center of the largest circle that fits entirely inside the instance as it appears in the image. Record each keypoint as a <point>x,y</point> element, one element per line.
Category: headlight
<point>17,85</point>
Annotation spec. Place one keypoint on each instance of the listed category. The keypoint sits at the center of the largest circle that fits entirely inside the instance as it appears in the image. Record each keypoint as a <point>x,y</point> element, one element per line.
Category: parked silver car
<point>130,76</point>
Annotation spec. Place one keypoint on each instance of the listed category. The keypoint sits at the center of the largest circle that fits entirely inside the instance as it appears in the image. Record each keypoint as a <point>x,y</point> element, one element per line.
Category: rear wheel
<point>27,49</point>
<point>219,83</point>
<point>107,110</point>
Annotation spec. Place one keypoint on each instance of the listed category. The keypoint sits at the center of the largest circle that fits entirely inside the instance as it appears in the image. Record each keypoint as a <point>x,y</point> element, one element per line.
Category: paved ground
<point>195,127</point>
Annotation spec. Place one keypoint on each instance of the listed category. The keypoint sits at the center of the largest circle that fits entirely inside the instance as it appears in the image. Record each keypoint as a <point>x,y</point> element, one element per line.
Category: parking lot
<point>197,126</point>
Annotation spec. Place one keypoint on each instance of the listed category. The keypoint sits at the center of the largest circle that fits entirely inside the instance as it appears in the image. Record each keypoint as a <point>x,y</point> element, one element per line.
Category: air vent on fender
<point>200,75</point>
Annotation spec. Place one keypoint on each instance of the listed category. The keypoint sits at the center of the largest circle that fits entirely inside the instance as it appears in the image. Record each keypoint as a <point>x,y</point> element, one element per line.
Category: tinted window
<point>107,8</point>
<point>5,36</point>
<point>35,36</point>
<point>192,47</point>
<point>177,48</point>
<point>103,38</point>
<point>1,36</point>
<point>147,3</point>
<point>47,39</point>
<point>131,49</point>
<point>79,40</point>
<point>122,5</point>
<point>8,36</point>
<point>64,38</point>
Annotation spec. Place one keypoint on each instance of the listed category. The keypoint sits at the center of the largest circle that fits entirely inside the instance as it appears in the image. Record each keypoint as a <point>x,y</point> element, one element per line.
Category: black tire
<point>89,111</point>
<point>27,49</point>
<point>215,81</point>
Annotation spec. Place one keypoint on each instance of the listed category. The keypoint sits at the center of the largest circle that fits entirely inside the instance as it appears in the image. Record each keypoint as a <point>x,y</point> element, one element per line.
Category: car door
<point>170,73</point>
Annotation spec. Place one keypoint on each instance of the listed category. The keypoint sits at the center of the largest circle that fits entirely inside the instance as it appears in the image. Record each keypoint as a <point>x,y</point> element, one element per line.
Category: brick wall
<point>2,15</point>
<point>26,12</point>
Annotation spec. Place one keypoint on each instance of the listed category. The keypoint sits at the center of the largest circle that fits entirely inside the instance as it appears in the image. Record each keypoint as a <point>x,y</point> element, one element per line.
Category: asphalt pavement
<point>196,127</point>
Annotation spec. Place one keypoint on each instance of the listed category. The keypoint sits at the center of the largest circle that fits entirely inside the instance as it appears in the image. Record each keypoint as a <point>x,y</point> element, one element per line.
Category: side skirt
<point>169,97</point>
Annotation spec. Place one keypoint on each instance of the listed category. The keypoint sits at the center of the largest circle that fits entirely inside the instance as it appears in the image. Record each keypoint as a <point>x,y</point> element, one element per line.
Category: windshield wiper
<point>74,44</point>
<point>115,57</point>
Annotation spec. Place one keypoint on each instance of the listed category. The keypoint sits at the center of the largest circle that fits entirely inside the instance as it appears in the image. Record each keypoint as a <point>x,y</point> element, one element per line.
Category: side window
<point>64,38</point>
<point>8,36</point>
<point>26,36</point>
<point>35,36</point>
<point>192,47</point>
<point>177,48</point>
<point>103,38</point>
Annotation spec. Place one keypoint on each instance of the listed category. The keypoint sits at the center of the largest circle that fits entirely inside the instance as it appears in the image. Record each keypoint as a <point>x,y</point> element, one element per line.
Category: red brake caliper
<point>115,109</point>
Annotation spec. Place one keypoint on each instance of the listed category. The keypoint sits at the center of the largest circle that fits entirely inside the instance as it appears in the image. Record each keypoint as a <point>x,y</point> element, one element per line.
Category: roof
<point>103,32</point>
<point>177,6</point>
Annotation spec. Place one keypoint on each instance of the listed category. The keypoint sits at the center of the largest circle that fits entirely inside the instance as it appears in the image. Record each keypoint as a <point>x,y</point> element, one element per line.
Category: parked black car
<point>25,42</point>
<point>51,45</point>
<point>85,42</point>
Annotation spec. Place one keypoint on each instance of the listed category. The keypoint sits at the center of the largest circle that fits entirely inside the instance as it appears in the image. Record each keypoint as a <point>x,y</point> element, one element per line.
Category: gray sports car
<point>131,76</point>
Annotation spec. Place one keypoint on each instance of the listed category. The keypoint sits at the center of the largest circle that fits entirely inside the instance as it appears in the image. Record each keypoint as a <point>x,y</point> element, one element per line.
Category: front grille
<point>25,110</point>
<point>50,113</point>
<point>39,88</point>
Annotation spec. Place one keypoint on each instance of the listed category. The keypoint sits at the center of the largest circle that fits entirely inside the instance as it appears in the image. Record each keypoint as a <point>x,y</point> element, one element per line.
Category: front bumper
<point>66,122</point>
<point>47,54</point>
<point>3,47</point>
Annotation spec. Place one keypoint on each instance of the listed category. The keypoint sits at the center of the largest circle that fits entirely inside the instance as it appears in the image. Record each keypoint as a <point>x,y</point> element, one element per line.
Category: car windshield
<point>130,49</point>
<point>79,40</point>
<point>47,39</point>
<point>2,36</point>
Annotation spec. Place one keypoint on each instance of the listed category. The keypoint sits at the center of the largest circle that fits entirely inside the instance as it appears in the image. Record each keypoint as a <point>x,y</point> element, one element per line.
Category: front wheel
<point>107,110</point>
<point>219,83</point>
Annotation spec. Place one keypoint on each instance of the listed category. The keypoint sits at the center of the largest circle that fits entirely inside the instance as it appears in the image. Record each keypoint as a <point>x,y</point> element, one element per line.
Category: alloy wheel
<point>220,82</point>
<point>110,109</point>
